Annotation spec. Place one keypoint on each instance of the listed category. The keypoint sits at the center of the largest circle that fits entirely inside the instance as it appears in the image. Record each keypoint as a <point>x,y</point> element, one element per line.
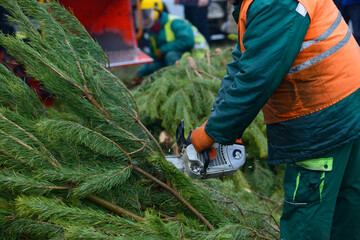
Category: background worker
<point>298,61</point>
<point>170,38</point>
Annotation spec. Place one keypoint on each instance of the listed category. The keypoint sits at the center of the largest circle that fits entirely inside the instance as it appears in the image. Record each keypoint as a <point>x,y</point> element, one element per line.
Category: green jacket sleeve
<point>184,37</point>
<point>273,37</point>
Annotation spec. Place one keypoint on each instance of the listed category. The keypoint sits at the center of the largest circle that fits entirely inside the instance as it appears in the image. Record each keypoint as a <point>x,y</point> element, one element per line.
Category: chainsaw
<point>218,161</point>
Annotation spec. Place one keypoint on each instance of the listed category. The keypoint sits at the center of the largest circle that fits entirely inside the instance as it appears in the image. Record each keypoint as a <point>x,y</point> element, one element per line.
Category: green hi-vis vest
<point>199,40</point>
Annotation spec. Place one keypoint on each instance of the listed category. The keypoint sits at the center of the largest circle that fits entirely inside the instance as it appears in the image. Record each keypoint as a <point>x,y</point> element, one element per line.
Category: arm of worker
<point>184,37</point>
<point>199,138</point>
<point>273,37</point>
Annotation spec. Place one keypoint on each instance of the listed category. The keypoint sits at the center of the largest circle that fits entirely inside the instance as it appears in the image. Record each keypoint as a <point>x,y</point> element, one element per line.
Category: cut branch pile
<point>87,168</point>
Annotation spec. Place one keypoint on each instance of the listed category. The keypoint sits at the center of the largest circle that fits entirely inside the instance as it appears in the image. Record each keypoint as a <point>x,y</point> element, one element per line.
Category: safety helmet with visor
<point>150,10</point>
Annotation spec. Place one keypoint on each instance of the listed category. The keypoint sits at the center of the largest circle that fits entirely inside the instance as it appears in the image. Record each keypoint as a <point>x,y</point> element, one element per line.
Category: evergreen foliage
<point>87,168</point>
<point>184,91</point>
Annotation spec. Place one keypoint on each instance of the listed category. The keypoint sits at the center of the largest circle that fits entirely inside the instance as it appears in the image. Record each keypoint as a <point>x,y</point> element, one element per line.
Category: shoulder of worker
<point>164,18</point>
<point>272,3</point>
<point>285,8</point>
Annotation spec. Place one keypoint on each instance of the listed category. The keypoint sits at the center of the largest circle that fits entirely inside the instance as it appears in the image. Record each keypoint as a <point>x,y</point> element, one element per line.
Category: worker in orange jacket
<point>297,61</point>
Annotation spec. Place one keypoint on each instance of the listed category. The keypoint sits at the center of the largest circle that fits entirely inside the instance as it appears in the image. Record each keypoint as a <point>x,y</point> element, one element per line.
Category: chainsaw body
<point>228,159</point>
<point>219,161</point>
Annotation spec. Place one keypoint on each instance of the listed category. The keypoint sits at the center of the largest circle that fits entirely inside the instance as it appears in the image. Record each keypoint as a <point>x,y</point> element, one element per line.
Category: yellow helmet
<point>151,10</point>
<point>152,4</point>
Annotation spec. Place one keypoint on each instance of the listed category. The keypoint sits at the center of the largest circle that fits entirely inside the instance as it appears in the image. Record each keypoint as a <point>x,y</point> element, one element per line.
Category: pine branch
<point>55,162</point>
<point>27,147</point>
<point>66,130</point>
<point>177,195</point>
<point>103,182</point>
<point>23,183</point>
<point>112,207</point>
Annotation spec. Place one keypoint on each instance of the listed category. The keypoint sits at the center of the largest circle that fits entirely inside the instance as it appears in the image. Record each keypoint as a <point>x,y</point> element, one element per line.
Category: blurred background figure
<point>169,38</point>
<point>196,11</point>
<point>350,10</point>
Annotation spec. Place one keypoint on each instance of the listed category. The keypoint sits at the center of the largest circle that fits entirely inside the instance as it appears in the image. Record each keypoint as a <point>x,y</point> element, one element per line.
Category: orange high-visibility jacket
<point>326,70</point>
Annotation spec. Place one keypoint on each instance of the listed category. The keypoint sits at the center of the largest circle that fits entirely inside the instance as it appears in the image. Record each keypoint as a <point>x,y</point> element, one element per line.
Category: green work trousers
<point>322,196</point>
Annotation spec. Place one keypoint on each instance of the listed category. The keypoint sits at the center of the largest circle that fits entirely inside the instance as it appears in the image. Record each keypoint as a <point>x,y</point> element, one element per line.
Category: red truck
<point>112,24</point>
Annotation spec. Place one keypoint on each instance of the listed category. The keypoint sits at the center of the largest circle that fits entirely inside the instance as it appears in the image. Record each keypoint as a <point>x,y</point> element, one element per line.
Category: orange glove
<point>200,140</point>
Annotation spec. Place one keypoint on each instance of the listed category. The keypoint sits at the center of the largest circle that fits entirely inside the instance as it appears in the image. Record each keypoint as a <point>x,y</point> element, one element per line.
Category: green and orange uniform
<point>298,61</point>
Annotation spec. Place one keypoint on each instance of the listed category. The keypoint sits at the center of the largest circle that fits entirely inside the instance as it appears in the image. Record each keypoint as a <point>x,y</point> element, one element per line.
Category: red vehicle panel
<point>111,23</point>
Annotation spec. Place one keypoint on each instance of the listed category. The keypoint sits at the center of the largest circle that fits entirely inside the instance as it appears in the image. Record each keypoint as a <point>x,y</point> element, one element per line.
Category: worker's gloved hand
<point>159,54</point>
<point>200,140</point>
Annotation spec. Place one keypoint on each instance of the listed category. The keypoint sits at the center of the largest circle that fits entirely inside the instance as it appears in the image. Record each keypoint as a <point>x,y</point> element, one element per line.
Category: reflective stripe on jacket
<point>324,72</point>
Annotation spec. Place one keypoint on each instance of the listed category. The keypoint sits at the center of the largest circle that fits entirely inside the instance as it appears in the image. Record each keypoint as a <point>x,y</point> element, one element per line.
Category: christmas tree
<point>87,167</point>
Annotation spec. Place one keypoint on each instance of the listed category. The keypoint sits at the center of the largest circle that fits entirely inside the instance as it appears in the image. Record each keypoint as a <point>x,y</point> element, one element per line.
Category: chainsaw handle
<point>180,137</point>
<point>207,161</point>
